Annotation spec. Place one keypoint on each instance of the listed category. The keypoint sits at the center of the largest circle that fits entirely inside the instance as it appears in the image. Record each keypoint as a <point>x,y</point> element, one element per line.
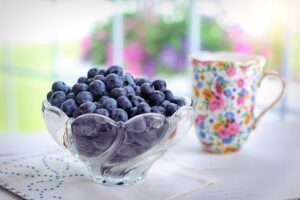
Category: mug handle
<point>278,77</point>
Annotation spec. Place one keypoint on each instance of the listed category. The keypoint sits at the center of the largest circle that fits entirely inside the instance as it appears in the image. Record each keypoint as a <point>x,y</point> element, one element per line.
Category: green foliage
<point>162,40</point>
<point>161,34</point>
<point>213,36</point>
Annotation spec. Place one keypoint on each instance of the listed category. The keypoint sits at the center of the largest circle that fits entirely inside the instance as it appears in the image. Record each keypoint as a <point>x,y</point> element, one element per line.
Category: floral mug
<point>224,89</point>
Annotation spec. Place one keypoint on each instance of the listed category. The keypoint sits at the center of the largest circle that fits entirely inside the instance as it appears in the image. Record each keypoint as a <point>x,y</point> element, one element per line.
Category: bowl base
<point>112,181</point>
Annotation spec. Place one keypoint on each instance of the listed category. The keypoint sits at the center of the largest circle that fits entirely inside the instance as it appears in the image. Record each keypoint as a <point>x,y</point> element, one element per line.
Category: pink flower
<point>205,63</point>
<point>252,108</point>
<point>240,83</point>
<point>245,69</point>
<point>240,40</point>
<point>219,88</point>
<point>195,62</point>
<point>224,133</point>
<point>233,128</point>
<point>231,71</point>
<point>229,130</point>
<point>109,56</point>
<point>200,118</point>
<point>86,43</point>
<point>129,24</point>
<point>266,51</point>
<point>216,104</point>
<point>134,55</point>
<point>102,35</point>
<point>240,100</point>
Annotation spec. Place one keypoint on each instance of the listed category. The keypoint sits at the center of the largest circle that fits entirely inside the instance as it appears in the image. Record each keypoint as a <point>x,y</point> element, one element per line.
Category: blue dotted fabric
<point>40,176</point>
<point>59,175</point>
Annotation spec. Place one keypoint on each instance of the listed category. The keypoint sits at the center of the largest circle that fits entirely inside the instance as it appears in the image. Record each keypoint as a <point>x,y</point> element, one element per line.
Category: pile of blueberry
<point>115,94</point>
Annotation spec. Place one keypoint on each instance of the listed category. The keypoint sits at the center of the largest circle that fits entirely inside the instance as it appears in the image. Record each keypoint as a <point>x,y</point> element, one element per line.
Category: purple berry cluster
<point>115,94</point>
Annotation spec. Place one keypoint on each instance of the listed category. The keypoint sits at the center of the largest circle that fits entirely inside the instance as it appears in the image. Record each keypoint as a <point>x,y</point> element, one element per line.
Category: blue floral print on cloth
<point>56,174</point>
<point>39,176</point>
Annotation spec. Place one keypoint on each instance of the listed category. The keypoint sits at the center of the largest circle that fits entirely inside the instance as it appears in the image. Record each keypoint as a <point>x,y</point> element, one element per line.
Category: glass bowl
<point>118,153</point>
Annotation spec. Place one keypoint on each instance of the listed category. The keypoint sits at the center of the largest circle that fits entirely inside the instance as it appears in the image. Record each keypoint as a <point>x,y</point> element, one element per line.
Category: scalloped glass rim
<point>48,106</point>
<point>58,132</point>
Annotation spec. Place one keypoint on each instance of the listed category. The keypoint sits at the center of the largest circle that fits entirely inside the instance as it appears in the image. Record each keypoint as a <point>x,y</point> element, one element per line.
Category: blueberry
<point>129,90</point>
<point>92,73</point>
<point>130,97</point>
<point>87,107</point>
<point>98,105</point>
<point>69,90</point>
<point>136,100</point>
<point>156,98</point>
<point>97,88</point>
<point>100,77</point>
<point>109,104</point>
<point>115,69</point>
<point>146,89</point>
<point>49,95</point>
<point>106,93</point>
<point>82,80</point>
<point>68,107</point>
<point>90,80</point>
<point>158,109</point>
<point>124,103</point>
<point>159,84</point>
<point>143,108</point>
<point>101,72</point>
<point>117,92</point>
<point>83,97</point>
<point>102,111</point>
<point>119,115</point>
<point>171,109</point>
<point>168,95</point>
<point>165,103</point>
<point>71,95</point>
<point>84,146</point>
<point>76,113</point>
<point>126,153</point>
<point>59,86</point>
<point>112,81</point>
<point>79,87</point>
<point>127,79</point>
<point>141,81</point>
<point>137,90</point>
<point>92,136</point>
<point>57,98</point>
<point>145,132</point>
<point>91,126</point>
<point>178,101</point>
<point>132,112</point>
<point>102,99</point>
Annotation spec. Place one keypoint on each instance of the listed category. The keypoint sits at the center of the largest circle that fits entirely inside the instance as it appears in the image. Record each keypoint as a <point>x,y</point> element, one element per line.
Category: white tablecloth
<point>266,168</point>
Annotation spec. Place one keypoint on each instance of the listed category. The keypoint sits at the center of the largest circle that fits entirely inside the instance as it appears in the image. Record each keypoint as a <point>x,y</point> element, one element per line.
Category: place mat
<point>59,175</point>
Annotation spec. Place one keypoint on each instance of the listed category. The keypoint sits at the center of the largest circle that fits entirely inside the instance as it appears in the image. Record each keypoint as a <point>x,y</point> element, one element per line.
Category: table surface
<point>267,167</point>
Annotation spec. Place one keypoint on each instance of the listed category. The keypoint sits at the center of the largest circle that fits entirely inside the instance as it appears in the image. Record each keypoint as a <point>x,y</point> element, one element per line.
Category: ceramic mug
<point>224,90</point>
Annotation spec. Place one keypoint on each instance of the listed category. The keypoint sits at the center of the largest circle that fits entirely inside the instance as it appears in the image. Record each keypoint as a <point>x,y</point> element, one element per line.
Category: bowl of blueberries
<point>117,125</point>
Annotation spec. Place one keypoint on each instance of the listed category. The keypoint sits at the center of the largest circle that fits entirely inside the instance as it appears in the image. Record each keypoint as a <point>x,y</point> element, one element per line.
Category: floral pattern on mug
<point>224,94</point>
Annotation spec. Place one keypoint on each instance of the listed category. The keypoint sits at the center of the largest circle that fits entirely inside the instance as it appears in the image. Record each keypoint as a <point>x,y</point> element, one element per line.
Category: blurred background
<point>46,40</point>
